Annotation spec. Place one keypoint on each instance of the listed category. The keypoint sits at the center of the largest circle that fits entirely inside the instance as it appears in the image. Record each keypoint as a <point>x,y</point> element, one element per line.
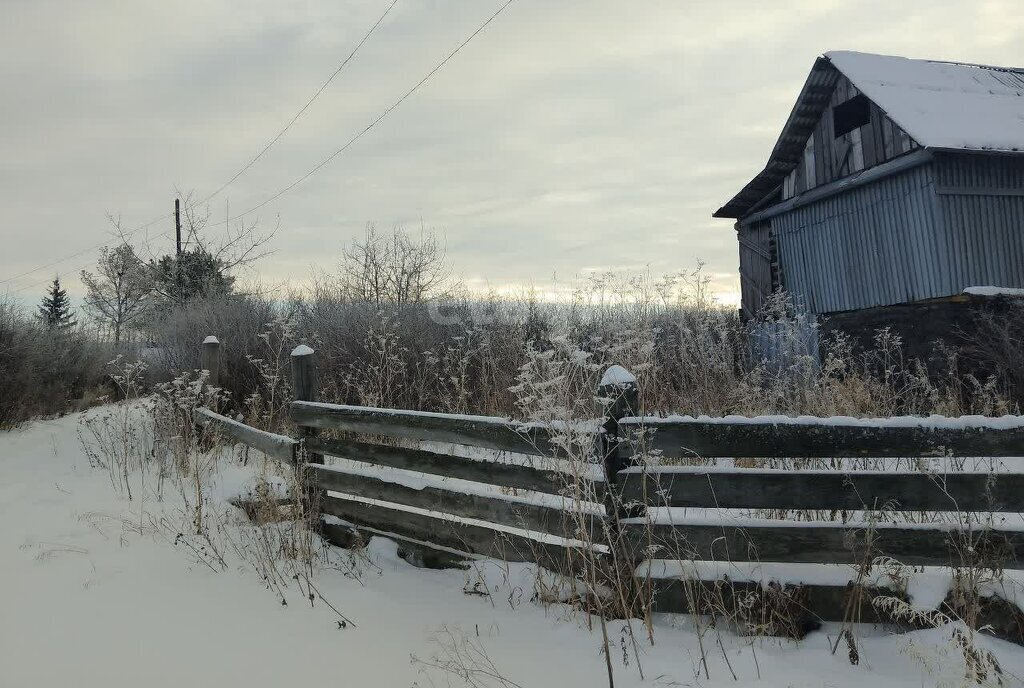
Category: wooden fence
<point>652,491</point>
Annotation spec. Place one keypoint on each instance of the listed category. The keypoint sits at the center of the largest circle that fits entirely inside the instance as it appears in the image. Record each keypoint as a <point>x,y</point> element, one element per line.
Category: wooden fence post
<point>210,360</point>
<point>304,388</point>
<point>620,397</point>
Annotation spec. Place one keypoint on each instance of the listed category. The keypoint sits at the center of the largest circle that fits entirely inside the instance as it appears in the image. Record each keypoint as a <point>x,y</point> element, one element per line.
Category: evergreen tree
<point>55,309</point>
<point>195,274</point>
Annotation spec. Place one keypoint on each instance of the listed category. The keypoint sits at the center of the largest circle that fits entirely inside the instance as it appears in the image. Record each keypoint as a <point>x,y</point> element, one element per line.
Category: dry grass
<point>460,355</point>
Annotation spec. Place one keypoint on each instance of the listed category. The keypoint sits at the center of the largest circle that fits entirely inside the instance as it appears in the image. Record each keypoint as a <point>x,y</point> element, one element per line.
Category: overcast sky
<point>569,136</point>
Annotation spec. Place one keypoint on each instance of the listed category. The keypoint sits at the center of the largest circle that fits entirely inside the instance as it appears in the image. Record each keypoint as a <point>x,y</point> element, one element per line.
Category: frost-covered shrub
<point>46,371</point>
<point>997,344</point>
<point>239,322</point>
<point>456,354</point>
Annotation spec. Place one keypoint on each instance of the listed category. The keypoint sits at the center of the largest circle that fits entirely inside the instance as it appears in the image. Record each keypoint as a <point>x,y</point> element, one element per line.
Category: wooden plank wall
<point>881,140</point>
<point>757,261</point>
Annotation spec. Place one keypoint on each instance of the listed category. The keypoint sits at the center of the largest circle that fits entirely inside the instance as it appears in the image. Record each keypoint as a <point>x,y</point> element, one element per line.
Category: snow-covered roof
<point>942,104</point>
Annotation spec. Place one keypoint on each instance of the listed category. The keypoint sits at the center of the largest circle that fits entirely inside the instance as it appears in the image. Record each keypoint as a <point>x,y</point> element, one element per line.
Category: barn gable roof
<point>941,105</point>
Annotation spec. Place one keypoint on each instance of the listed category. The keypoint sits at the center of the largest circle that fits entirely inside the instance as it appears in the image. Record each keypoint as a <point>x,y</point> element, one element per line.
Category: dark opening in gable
<point>854,113</point>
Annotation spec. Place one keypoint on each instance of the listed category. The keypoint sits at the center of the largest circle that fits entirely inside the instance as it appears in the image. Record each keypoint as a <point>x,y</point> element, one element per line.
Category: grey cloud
<point>568,136</point>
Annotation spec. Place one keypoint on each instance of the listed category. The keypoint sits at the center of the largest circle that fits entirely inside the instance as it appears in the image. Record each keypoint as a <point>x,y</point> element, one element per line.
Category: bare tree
<point>395,268</point>
<point>118,294</point>
<point>239,243</point>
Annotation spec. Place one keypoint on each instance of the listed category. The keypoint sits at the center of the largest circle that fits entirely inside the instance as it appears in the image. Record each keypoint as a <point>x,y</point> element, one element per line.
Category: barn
<point>896,184</point>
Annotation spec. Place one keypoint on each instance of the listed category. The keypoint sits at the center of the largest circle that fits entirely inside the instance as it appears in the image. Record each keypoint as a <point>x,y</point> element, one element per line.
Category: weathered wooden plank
<point>416,552</point>
<point>490,472</point>
<point>305,387</point>
<point>888,139</point>
<point>496,509</point>
<point>801,607</point>
<point>688,438</point>
<point>821,151</point>
<point>750,488</point>
<point>265,510</point>
<point>792,610</point>
<point>210,360</point>
<point>868,145</point>
<point>878,118</point>
<point>479,431</point>
<point>826,124</point>
<point>824,543</point>
<point>475,540</point>
<point>275,446</point>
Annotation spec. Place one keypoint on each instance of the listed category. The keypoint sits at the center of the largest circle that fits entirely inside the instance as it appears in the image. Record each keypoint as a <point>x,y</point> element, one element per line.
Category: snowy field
<point>98,596</point>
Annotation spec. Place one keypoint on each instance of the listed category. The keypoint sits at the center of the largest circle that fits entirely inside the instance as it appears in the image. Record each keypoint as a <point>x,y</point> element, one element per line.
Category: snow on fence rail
<point>481,508</point>
<point>467,507</point>
<point>503,474</point>
<point>488,432</point>
<point>432,499</point>
<point>681,512</point>
<point>276,446</point>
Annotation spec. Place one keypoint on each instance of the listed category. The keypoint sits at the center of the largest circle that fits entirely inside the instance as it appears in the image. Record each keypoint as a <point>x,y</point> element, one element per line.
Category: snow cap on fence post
<point>619,393</point>
<point>210,360</point>
<point>304,388</point>
<point>619,396</point>
<point>303,373</point>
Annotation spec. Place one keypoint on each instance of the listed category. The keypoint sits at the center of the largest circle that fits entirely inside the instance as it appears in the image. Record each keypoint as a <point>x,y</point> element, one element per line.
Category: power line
<point>238,174</point>
<point>304,107</point>
<point>81,266</point>
<point>323,163</point>
<point>82,252</point>
<point>375,122</point>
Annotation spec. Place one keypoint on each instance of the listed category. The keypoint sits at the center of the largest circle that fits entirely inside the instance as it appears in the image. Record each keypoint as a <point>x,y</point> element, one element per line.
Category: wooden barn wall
<point>981,202</point>
<point>873,245</point>
<point>881,140</point>
<point>756,255</point>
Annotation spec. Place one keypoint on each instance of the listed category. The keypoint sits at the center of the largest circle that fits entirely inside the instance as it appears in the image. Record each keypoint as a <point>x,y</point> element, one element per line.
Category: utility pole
<point>177,246</point>
<point>177,226</point>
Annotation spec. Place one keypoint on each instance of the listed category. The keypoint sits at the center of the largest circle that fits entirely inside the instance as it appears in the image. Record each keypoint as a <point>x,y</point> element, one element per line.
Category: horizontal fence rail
<point>690,533</point>
<point>477,540</point>
<point>830,543</point>
<point>758,488</point>
<point>479,431</point>
<point>501,473</point>
<point>795,605</point>
<point>816,437</point>
<point>275,446</point>
<point>496,508</point>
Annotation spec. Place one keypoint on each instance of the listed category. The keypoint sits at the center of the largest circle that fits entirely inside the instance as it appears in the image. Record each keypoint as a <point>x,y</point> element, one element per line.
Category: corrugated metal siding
<point>782,345</point>
<point>870,246</point>
<point>981,202</point>
<point>923,233</point>
<point>979,171</point>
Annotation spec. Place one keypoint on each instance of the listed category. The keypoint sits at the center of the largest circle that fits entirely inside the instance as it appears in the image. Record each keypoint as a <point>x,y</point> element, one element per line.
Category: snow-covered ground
<point>92,599</point>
